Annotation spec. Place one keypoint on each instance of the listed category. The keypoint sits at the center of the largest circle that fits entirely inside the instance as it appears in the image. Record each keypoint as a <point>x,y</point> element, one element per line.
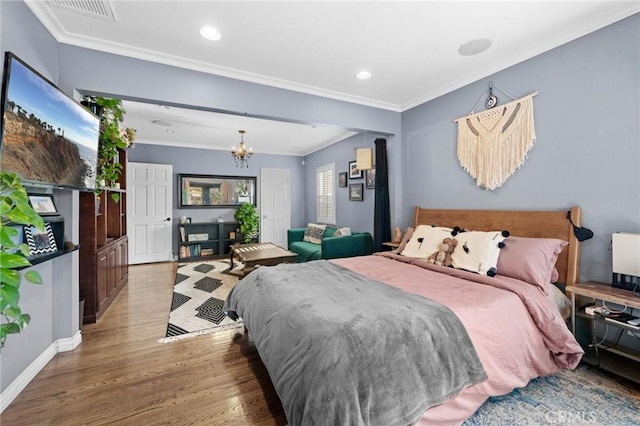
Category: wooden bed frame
<point>519,223</point>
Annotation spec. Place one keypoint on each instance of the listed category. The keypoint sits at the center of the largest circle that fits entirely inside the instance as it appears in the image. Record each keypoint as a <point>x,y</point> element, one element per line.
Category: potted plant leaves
<point>112,139</point>
<point>14,210</point>
<point>248,220</point>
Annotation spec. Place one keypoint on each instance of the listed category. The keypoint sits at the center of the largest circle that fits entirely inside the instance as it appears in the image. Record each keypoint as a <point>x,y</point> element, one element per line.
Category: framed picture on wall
<point>355,191</point>
<point>354,173</point>
<point>342,179</point>
<point>371,178</point>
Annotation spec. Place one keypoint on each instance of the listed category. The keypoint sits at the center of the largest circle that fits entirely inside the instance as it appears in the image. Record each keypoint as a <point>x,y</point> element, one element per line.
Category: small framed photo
<point>354,173</point>
<point>40,242</point>
<point>342,180</point>
<point>371,178</point>
<point>43,204</point>
<point>355,191</point>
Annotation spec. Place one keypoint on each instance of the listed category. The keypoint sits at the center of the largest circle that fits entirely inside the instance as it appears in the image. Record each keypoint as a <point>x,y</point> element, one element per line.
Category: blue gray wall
<point>90,71</point>
<point>358,215</point>
<point>587,125</point>
<point>216,162</point>
<point>53,305</point>
<point>587,153</point>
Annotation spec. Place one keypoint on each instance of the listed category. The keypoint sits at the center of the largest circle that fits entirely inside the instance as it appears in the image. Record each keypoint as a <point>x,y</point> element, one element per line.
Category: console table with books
<point>604,320</point>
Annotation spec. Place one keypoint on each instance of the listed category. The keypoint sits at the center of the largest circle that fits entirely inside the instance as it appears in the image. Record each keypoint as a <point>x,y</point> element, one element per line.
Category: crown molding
<point>545,45</point>
<point>42,11</point>
<point>53,25</point>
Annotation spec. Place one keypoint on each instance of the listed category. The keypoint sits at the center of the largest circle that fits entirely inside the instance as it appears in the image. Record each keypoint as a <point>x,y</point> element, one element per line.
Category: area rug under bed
<point>198,297</point>
<point>586,396</point>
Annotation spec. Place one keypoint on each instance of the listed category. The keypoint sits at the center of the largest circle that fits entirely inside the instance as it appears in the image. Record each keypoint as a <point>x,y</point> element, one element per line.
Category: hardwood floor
<point>121,375</point>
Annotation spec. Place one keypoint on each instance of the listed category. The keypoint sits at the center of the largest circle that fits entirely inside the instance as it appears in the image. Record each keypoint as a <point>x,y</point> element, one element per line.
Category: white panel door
<point>275,205</point>
<point>149,212</point>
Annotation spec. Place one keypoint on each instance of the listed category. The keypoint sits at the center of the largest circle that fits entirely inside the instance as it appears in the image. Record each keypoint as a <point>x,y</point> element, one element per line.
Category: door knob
<point>168,219</point>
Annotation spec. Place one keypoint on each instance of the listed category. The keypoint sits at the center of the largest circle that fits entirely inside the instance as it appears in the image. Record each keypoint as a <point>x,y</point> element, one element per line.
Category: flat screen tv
<point>47,138</point>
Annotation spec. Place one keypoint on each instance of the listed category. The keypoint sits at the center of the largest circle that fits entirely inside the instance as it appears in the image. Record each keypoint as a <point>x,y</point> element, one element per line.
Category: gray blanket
<point>342,349</point>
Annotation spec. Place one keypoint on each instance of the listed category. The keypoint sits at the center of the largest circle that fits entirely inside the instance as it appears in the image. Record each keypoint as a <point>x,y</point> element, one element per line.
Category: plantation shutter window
<point>325,194</point>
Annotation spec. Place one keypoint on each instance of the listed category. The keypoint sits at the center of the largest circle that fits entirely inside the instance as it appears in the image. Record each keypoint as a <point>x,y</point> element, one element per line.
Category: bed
<point>391,339</point>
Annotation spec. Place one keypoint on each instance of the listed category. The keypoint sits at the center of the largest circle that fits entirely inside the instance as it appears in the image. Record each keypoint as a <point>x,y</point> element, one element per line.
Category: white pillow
<point>425,241</point>
<point>313,233</point>
<point>478,251</point>
<point>342,232</point>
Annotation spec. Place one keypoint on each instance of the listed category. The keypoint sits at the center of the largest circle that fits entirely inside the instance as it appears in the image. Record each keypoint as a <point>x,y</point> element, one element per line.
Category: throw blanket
<point>342,349</point>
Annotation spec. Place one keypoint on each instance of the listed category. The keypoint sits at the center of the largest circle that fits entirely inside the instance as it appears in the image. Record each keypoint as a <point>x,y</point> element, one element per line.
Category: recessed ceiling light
<point>363,75</point>
<point>170,131</point>
<point>164,106</point>
<point>474,47</point>
<point>162,123</point>
<point>210,33</point>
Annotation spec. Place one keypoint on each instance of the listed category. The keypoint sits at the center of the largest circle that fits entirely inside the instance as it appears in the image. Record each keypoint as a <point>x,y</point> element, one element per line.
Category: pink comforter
<point>517,332</point>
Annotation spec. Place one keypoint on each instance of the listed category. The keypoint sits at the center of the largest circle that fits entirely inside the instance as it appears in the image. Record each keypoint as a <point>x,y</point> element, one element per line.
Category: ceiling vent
<point>99,8</point>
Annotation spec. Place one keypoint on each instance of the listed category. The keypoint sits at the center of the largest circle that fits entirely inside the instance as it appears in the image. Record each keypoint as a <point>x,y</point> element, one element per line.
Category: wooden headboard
<point>519,223</point>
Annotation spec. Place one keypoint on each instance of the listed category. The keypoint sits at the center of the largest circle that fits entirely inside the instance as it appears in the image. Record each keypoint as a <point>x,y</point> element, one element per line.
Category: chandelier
<point>241,155</point>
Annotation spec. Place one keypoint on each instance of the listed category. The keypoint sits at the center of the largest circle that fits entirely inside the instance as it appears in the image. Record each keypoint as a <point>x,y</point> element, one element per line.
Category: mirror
<point>216,191</point>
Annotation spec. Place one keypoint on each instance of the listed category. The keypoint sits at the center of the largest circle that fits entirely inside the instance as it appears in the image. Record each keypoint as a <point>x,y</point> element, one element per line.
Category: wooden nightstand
<point>601,338</point>
<point>388,246</point>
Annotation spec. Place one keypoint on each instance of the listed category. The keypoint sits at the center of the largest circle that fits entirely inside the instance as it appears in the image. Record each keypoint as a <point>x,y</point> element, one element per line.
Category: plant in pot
<point>14,210</point>
<point>248,220</point>
<point>112,139</point>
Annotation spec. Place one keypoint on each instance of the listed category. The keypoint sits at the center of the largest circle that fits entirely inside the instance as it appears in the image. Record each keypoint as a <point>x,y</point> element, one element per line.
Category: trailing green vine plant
<point>112,138</point>
<point>14,210</point>
<point>248,220</point>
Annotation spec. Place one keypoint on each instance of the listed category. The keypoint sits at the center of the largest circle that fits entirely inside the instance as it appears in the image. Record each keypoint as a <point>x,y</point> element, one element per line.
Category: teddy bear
<point>443,256</point>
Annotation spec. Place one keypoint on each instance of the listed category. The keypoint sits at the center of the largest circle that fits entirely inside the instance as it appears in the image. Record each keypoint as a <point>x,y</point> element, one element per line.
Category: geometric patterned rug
<point>198,297</point>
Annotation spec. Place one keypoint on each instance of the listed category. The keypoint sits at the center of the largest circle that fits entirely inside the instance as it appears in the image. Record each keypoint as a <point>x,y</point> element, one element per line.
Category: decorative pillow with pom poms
<point>425,240</point>
<point>479,251</point>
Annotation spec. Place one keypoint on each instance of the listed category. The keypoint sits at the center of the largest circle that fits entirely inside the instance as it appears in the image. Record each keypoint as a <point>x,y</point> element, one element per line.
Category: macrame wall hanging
<point>494,143</point>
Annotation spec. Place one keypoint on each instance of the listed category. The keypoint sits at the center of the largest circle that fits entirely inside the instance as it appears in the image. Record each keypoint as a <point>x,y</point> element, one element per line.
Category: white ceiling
<point>211,130</point>
<point>318,47</point>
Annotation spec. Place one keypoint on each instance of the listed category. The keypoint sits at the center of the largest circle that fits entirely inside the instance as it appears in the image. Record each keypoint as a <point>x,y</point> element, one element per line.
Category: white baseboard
<point>21,382</point>
<point>70,343</point>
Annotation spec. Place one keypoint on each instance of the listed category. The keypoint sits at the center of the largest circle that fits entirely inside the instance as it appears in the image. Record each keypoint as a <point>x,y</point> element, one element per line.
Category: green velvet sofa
<point>357,244</point>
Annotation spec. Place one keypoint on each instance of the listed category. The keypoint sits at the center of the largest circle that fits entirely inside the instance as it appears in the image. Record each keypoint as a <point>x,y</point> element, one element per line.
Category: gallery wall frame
<point>354,172</point>
<point>342,179</point>
<point>370,178</point>
<point>356,192</point>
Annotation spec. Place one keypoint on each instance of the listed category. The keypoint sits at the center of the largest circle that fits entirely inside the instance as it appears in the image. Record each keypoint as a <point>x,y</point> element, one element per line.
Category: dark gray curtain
<point>382,213</point>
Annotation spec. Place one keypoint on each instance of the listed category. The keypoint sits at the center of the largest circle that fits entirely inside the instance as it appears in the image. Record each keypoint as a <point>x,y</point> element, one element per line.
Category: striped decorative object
<point>40,242</point>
